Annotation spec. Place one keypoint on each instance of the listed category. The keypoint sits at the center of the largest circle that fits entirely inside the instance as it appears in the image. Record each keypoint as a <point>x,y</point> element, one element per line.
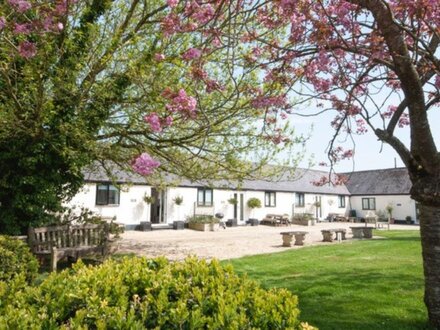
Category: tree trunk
<point>430,234</point>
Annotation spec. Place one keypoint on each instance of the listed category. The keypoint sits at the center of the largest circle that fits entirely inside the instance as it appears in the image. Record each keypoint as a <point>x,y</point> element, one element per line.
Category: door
<point>241,207</point>
<point>318,207</point>
<point>236,207</point>
<point>158,208</point>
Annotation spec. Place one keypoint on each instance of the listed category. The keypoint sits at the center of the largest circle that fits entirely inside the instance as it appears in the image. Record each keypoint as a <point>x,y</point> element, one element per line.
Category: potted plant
<point>303,219</point>
<point>253,203</point>
<point>408,219</point>
<point>178,200</point>
<point>389,208</point>
<point>149,199</point>
<point>178,224</point>
<point>203,223</point>
<point>233,201</point>
<point>232,222</point>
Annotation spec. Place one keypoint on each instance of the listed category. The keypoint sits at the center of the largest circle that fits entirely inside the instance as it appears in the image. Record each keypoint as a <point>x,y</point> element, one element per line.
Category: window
<point>204,197</point>
<point>299,200</point>
<point>368,203</point>
<point>341,201</point>
<point>107,194</point>
<point>270,199</point>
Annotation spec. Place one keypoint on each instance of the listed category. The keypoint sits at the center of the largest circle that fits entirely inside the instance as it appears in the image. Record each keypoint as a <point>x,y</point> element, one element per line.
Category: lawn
<point>371,284</point>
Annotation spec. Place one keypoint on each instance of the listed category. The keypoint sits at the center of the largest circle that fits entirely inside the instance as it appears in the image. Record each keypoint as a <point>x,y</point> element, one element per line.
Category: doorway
<point>239,206</point>
<point>158,209</point>
<point>318,207</point>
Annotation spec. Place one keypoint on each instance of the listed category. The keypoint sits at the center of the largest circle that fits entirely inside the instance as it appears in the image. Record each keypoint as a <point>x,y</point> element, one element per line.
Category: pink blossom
<point>61,7</point>
<point>154,121</point>
<point>60,26</point>
<point>213,85</point>
<point>159,57</point>
<point>204,14</point>
<point>170,24</point>
<point>191,54</point>
<point>168,121</point>
<point>144,164</point>
<point>27,49</point>
<point>48,23</point>
<point>2,23</point>
<point>403,120</point>
<point>183,104</point>
<point>261,102</point>
<point>172,3</point>
<point>22,28</point>
<point>20,5</point>
<point>216,42</point>
<point>437,81</point>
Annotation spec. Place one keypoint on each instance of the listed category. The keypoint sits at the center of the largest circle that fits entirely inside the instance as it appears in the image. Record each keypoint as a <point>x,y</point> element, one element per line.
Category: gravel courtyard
<point>226,243</point>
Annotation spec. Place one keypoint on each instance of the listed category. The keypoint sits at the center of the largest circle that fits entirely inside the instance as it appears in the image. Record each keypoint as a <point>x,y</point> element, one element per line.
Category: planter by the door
<point>253,222</point>
<point>203,226</point>
<point>214,226</point>
<point>145,226</point>
<point>304,222</point>
<point>231,223</point>
<point>178,225</point>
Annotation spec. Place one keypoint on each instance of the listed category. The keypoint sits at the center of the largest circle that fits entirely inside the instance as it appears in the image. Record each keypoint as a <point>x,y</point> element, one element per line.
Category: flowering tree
<point>375,63</point>
<point>149,85</point>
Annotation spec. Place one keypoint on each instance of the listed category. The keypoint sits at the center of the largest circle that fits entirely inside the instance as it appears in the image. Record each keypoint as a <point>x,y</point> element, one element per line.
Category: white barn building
<point>365,191</point>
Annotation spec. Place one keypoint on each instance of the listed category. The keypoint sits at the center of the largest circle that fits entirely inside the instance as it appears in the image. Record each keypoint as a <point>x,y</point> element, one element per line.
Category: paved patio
<point>226,243</point>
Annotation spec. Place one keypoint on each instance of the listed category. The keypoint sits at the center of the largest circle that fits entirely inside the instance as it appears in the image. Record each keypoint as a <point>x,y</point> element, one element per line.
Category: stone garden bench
<point>362,232</point>
<point>299,237</point>
<point>327,234</point>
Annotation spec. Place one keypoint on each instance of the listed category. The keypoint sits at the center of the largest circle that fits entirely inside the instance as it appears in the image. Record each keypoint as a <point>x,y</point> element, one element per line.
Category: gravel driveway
<point>226,243</point>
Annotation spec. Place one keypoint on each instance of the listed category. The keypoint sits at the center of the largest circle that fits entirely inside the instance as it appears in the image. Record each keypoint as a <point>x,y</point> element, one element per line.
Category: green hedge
<point>137,293</point>
<point>16,258</point>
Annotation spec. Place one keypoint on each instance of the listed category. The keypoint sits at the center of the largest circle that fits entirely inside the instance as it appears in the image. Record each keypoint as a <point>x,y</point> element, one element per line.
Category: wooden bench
<point>69,241</point>
<point>299,237</point>
<point>276,220</point>
<point>336,217</point>
<point>362,232</point>
<point>327,234</point>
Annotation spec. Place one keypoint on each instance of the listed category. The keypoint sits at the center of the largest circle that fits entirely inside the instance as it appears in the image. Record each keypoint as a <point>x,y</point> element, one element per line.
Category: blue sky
<point>370,153</point>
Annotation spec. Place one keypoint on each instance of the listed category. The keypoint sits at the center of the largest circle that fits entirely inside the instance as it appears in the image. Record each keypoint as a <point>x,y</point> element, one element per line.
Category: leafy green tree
<point>147,84</point>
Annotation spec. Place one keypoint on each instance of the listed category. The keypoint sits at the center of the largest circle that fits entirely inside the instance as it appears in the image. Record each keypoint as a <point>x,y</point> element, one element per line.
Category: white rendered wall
<point>183,211</point>
<point>329,204</point>
<point>403,205</point>
<point>283,204</point>
<point>131,209</point>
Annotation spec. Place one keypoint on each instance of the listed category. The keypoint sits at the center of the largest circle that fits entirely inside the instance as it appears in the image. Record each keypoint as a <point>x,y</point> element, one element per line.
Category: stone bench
<point>327,234</point>
<point>299,237</point>
<point>362,232</point>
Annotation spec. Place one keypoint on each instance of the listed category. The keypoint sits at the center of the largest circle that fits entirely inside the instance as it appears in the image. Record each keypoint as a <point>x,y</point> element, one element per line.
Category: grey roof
<point>391,181</point>
<point>300,181</point>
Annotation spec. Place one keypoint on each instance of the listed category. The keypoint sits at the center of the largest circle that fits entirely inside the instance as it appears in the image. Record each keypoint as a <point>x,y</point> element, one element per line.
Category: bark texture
<point>430,234</point>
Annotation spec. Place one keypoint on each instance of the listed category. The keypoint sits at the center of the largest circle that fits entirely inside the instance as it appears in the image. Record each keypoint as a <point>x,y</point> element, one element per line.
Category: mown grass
<point>370,284</point>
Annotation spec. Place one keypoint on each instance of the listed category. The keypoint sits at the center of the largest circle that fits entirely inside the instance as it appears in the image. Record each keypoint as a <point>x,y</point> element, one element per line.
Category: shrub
<point>15,259</point>
<point>86,216</point>
<point>302,216</point>
<point>253,203</point>
<point>178,200</point>
<point>233,201</point>
<point>201,218</point>
<point>139,293</point>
